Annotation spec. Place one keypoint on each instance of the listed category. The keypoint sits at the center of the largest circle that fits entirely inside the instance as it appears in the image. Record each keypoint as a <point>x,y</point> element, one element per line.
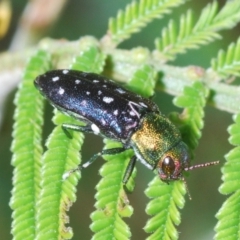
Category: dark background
<point>198,217</point>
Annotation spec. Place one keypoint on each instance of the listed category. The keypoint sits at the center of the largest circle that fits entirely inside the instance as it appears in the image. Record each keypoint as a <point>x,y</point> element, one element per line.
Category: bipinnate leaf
<point>163,207</point>
<point>177,38</point>
<point>27,149</point>
<point>231,168</point>
<point>166,199</point>
<point>91,60</point>
<point>228,215</point>
<point>227,62</point>
<point>137,15</point>
<point>57,194</point>
<point>112,202</point>
<point>193,101</point>
<point>143,81</point>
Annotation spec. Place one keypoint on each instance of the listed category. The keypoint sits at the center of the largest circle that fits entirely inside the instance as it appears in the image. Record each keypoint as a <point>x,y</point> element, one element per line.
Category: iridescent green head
<point>173,162</point>
<point>158,144</point>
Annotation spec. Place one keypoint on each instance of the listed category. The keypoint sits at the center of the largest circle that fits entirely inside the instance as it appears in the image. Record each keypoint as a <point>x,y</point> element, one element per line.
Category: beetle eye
<point>168,166</point>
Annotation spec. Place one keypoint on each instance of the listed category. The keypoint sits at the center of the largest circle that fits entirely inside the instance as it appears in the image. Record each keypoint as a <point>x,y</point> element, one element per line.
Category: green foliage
<point>112,202</point>
<point>27,150</point>
<point>228,63</point>
<point>166,199</point>
<point>175,40</point>
<point>91,60</point>
<point>143,81</point>
<point>193,101</point>
<point>163,207</point>
<point>57,195</point>
<point>231,168</point>
<point>228,215</point>
<point>137,15</point>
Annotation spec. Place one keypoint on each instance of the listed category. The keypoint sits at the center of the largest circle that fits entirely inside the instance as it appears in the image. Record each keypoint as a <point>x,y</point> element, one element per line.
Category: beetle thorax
<point>153,138</point>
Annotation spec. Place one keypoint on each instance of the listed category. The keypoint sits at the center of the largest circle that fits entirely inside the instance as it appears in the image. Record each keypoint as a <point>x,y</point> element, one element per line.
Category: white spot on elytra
<point>107,99</point>
<point>120,90</point>
<point>132,113</point>
<point>95,81</point>
<point>87,93</point>
<point>95,129</point>
<point>55,79</point>
<point>115,112</point>
<point>77,81</point>
<point>103,122</point>
<point>65,71</point>
<point>83,103</point>
<point>104,85</point>
<point>99,92</point>
<point>61,91</point>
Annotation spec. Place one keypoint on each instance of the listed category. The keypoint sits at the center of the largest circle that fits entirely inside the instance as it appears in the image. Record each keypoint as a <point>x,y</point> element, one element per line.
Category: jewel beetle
<point>111,111</point>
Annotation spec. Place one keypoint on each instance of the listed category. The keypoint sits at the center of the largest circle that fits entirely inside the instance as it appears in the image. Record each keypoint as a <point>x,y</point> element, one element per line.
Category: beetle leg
<point>66,127</point>
<point>111,151</point>
<point>129,169</point>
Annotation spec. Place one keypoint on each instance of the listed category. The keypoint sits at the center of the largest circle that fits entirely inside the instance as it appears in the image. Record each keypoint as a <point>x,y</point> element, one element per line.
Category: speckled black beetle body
<point>114,112</point>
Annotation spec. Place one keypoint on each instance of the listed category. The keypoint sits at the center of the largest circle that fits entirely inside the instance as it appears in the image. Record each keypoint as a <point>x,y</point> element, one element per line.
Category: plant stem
<point>122,64</point>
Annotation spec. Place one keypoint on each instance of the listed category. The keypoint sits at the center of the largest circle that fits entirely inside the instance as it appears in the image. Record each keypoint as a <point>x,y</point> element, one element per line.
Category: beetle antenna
<point>194,167</point>
<point>186,186</point>
<point>201,165</point>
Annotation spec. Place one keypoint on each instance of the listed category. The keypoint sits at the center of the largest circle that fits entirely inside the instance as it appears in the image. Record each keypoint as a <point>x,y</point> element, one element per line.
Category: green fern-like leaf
<point>231,170</point>
<point>228,63</point>
<point>57,195</point>
<point>89,61</point>
<point>166,199</point>
<point>112,202</point>
<point>228,215</point>
<point>191,120</point>
<point>27,150</point>
<point>187,36</point>
<point>137,15</point>
<point>62,155</point>
<point>143,81</point>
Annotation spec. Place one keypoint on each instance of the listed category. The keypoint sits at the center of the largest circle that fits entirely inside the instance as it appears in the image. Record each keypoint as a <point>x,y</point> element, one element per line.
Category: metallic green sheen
<point>156,137</point>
